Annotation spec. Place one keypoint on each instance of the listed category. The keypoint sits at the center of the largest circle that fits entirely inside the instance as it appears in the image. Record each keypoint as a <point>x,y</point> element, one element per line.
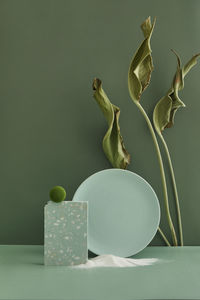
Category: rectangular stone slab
<point>65,233</point>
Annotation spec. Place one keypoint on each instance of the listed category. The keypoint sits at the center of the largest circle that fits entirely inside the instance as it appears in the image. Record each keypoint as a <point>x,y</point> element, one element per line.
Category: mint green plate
<point>124,212</point>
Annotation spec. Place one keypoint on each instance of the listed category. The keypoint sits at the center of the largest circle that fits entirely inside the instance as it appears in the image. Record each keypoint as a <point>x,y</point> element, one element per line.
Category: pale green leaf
<point>113,145</point>
<point>165,109</point>
<point>192,62</point>
<point>162,112</point>
<point>141,65</point>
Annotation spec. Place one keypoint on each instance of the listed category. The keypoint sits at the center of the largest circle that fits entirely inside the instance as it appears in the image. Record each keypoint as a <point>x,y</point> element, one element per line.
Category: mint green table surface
<point>176,275</point>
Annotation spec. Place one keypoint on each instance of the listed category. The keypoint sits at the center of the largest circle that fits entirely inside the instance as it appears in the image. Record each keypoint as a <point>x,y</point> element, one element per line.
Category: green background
<point>51,129</point>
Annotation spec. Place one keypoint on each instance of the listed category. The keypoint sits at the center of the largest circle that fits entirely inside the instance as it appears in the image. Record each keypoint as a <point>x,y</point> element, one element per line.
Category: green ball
<point>57,194</point>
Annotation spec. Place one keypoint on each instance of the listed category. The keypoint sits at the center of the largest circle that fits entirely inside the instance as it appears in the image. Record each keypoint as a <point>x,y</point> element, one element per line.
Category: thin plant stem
<point>171,226</point>
<point>164,237</point>
<point>174,187</point>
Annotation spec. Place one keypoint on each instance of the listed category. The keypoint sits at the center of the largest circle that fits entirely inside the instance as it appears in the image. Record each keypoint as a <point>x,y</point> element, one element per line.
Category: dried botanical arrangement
<point>139,75</point>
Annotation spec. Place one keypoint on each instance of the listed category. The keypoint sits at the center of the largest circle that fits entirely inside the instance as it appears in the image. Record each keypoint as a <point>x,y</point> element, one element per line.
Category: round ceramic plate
<point>124,212</point>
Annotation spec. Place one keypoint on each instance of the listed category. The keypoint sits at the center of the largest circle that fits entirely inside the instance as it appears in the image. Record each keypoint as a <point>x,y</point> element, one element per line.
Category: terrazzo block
<point>65,233</point>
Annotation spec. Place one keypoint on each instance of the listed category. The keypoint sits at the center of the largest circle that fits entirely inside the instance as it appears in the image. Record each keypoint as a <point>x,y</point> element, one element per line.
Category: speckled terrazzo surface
<point>65,233</point>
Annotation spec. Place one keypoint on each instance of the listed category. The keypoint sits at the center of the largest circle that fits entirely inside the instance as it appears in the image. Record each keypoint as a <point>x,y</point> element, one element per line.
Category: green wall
<point>50,126</point>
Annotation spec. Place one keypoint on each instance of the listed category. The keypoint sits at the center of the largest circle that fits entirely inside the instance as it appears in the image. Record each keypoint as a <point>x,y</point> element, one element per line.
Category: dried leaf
<point>141,65</point>
<point>165,109</point>
<point>113,145</point>
<point>192,62</point>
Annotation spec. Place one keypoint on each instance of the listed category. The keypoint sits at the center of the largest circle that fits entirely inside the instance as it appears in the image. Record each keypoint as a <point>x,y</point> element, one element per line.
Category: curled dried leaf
<point>113,144</point>
<point>165,109</point>
<point>141,65</point>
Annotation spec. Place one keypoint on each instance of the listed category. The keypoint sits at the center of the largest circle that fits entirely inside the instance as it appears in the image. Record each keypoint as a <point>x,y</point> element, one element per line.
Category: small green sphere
<point>57,194</point>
